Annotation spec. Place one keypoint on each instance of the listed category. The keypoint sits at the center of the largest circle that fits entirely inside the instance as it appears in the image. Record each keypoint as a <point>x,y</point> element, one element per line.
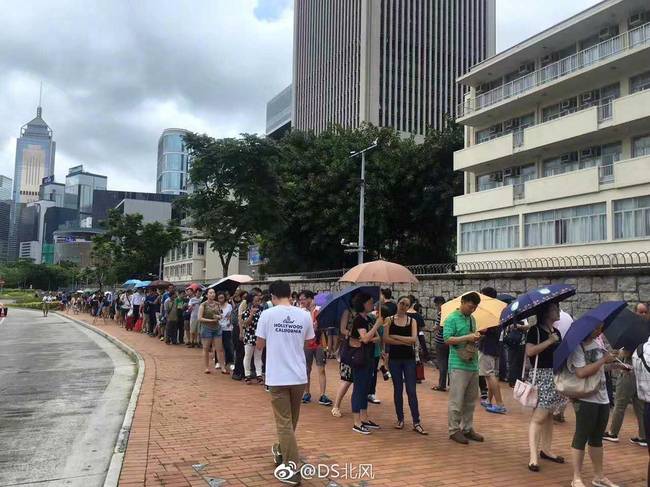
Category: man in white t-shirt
<point>284,330</point>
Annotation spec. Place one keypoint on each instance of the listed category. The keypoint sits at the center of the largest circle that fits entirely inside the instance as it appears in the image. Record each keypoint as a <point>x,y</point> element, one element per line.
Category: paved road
<point>63,394</point>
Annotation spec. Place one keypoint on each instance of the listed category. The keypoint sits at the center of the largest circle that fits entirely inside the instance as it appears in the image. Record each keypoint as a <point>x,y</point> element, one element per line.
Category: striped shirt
<point>457,324</point>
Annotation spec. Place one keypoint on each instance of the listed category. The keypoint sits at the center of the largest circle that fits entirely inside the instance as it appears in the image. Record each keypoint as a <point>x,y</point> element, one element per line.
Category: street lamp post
<point>362,199</point>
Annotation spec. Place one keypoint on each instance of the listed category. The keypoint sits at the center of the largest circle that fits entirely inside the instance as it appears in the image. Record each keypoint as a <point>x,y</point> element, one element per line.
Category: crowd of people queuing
<point>387,337</point>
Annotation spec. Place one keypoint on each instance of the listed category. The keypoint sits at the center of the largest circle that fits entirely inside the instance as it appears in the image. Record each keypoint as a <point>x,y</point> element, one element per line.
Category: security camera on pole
<point>362,199</point>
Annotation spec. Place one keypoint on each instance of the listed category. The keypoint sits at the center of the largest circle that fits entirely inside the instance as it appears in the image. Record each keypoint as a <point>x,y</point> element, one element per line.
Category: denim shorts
<point>210,333</point>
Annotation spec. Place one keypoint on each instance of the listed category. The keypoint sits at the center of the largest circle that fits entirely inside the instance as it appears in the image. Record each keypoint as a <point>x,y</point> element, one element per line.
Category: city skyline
<point>109,113</point>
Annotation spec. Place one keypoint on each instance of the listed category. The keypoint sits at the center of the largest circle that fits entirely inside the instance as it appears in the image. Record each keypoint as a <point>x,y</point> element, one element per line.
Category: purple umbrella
<point>581,328</point>
<point>322,298</point>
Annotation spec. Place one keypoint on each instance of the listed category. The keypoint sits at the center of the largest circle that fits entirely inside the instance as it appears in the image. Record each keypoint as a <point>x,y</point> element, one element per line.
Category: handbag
<point>570,385</point>
<point>524,392</point>
<point>419,366</point>
<point>138,325</point>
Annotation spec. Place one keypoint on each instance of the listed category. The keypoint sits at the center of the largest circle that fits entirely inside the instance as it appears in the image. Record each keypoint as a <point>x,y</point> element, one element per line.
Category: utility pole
<point>362,199</point>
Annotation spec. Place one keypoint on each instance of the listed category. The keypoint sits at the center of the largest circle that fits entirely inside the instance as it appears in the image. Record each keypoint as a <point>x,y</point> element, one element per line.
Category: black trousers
<point>515,362</point>
<point>238,348</point>
<point>442,358</point>
<point>372,388</point>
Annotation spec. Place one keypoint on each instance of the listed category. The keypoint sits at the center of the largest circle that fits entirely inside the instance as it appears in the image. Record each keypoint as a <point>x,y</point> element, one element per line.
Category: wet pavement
<point>63,394</point>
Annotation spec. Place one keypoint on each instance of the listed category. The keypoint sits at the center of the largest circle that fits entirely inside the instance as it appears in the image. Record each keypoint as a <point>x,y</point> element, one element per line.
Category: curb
<point>117,459</point>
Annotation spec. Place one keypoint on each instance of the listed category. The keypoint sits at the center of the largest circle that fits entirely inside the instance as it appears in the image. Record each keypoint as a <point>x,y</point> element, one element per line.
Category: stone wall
<point>593,287</point>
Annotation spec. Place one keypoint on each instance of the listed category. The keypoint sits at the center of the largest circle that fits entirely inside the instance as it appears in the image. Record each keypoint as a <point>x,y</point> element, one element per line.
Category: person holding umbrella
<point>362,336</point>
<point>592,411</point>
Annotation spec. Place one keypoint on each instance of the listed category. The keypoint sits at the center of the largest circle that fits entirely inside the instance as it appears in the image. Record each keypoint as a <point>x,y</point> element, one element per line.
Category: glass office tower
<point>173,163</point>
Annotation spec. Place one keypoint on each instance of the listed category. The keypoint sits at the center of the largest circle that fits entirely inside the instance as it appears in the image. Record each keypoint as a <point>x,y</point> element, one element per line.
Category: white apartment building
<point>195,261</point>
<point>557,141</point>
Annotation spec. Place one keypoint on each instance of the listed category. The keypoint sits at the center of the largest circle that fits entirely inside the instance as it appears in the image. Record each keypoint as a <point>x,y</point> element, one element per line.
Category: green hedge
<point>34,305</point>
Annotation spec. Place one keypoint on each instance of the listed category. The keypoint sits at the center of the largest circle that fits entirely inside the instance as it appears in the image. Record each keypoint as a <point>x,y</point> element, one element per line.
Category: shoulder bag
<point>570,385</point>
<point>525,392</point>
<point>353,356</point>
<point>469,351</point>
<point>639,352</point>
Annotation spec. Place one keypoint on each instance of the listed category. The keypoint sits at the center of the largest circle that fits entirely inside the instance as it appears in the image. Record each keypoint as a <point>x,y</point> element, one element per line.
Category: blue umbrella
<point>321,299</point>
<point>506,298</point>
<point>529,303</point>
<point>142,284</point>
<point>131,283</point>
<point>581,328</point>
<point>330,314</point>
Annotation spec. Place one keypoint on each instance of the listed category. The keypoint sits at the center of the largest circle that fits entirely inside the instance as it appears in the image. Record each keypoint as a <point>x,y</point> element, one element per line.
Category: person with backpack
<point>459,332</point>
<point>641,366</point>
<point>442,349</point>
<point>592,411</point>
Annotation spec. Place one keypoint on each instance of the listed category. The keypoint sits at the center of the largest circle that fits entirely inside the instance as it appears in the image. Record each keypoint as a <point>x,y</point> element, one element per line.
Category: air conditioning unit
<point>587,153</point>
<point>569,157</point>
<point>550,58</point>
<point>606,33</point>
<point>494,130</point>
<point>507,173</point>
<point>587,97</point>
<point>508,125</point>
<point>566,104</point>
<point>526,68</point>
<point>636,19</point>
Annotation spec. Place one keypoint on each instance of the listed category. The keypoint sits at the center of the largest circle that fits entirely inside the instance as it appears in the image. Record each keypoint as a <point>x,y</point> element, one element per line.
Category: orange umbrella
<point>379,271</point>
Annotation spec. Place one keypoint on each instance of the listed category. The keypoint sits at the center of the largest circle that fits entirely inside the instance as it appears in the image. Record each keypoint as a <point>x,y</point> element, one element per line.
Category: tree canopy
<point>131,248</point>
<point>299,196</point>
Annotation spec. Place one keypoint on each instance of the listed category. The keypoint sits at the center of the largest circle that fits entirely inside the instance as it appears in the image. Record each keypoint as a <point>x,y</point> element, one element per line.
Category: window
<point>505,177</point>
<point>601,155</point>
<point>499,233</point>
<point>190,249</point>
<point>200,248</point>
<point>580,224</point>
<point>632,217</point>
<point>641,146</point>
<point>640,82</point>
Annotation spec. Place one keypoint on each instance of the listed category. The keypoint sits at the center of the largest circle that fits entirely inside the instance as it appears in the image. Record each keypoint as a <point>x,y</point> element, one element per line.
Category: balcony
<point>479,201</point>
<point>605,51</point>
<point>631,112</point>
<point>631,172</point>
<point>613,174</point>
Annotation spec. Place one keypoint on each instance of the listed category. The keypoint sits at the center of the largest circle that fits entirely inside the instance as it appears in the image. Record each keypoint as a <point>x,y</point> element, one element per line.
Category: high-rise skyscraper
<point>173,163</point>
<point>392,63</point>
<point>35,150</point>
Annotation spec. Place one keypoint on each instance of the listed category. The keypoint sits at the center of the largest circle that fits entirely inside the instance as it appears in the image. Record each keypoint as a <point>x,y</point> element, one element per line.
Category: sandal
<point>533,468</point>
<point>260,379</point>
<point>418,429</point>
<point>438,388</point>
<point>247,380</point>
<point>602,482</point>
<point>336,412</point>
<point>399,425</point>
<point>577,483</point>
<point>207,371</point>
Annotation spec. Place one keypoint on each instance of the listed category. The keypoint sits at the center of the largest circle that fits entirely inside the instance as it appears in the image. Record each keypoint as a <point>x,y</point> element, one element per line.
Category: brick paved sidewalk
<point>185,417</point>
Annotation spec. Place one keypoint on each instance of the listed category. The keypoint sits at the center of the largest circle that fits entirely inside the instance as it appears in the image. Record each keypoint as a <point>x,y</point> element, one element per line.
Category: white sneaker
<point>373,399</point>
<point>217,366</point>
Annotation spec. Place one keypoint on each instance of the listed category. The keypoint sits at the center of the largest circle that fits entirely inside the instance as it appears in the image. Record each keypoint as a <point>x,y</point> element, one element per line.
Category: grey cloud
<point>118,74</point>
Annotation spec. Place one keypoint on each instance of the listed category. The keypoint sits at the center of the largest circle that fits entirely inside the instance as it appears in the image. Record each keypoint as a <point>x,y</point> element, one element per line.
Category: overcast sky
<point>115,73</point>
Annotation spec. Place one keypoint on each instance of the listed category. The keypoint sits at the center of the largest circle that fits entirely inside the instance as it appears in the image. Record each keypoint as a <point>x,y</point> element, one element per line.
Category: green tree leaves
<point>299,197</point>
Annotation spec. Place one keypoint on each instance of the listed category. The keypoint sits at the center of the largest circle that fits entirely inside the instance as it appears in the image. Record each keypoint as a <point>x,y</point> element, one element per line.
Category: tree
<point>235,190</point>
<point>131,248</point>
<point>409,193</point>
<point>23,274</point>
